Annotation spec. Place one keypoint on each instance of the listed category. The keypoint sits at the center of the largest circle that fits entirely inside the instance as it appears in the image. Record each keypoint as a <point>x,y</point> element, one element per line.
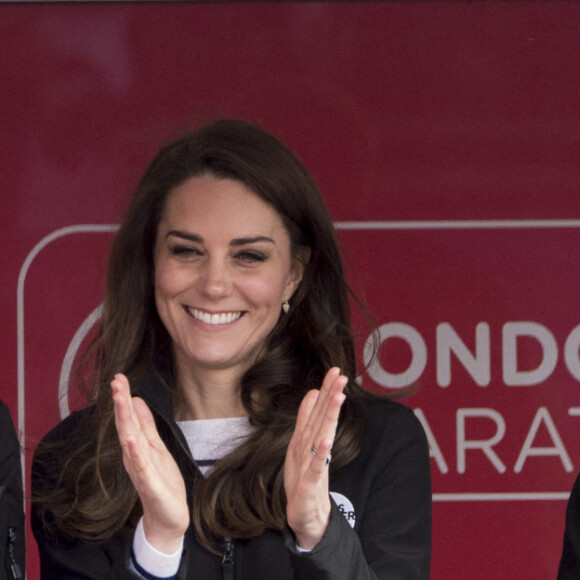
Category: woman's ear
<point>299,262</point>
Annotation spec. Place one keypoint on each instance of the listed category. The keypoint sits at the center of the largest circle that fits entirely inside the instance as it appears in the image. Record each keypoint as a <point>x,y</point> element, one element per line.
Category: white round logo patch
<point>345,507</point>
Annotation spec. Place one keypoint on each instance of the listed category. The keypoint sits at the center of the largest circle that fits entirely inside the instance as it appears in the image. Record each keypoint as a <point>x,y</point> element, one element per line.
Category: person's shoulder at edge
<point>8,434</point>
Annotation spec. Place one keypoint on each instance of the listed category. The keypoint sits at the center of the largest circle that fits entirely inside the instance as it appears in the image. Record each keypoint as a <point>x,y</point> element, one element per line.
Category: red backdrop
<point>445,138</point>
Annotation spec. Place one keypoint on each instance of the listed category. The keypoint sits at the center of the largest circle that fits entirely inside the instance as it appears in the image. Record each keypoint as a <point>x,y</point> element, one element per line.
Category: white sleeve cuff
<point>152,560</point>
<point>301,550</point>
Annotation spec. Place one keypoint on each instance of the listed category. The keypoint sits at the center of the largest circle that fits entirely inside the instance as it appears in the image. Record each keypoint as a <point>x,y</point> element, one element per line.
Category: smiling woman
<point>225,377</point>
<point>223,269</point>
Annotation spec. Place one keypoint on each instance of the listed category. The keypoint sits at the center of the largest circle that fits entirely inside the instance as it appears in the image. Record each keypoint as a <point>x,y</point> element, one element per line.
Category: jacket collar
<point>156,390</point>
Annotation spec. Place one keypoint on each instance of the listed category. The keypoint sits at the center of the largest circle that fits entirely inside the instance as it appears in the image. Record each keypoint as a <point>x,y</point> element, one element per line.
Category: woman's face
<point>223,267</point>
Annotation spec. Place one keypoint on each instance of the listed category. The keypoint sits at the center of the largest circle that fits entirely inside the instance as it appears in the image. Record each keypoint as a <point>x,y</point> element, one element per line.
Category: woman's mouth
<point>215,319</point>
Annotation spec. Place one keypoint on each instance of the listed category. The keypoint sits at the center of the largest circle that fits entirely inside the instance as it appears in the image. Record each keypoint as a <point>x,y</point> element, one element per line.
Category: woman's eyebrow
<point>186,236</point>
<point>235,242</point>
<point>251,240</point>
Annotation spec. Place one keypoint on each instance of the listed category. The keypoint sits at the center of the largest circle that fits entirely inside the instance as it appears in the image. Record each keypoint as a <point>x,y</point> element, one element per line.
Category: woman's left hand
<point>306,465</point>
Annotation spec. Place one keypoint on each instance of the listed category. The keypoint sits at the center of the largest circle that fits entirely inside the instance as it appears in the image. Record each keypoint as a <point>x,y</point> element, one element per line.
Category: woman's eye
<point>184,251</point>
<point>251,256</point>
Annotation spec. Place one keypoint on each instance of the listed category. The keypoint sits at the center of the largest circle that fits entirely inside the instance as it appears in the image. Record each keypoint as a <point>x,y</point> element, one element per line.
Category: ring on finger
<point>314,451</point>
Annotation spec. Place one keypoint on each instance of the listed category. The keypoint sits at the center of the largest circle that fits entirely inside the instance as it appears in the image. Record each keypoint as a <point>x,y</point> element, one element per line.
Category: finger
<point>135,425</point>
<point>136,460</point>
<point>121,402</point>
<point>304,412</point>
<point>320,460</point>
<point>323,420</point>
<point>120,383</point>
<point>130,413</point>
<point>324,438</point>
<point>321,401</point>
<point>125,420</point>
<point>328,383</point>
<point>333,382</point>
<point>146,421</point>
<point>326,417</point>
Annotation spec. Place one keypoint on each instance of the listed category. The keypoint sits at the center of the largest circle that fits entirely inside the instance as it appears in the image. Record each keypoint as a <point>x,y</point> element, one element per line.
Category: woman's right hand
<point>152,470</point>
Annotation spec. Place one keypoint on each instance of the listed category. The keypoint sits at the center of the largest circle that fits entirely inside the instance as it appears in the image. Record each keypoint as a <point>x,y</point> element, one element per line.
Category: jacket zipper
<point>13,565</point>
<point>228,560</point>
<point>228,563</point>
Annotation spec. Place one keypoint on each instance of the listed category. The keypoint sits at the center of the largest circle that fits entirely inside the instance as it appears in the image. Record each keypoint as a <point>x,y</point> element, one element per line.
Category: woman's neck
<point>209,394</point>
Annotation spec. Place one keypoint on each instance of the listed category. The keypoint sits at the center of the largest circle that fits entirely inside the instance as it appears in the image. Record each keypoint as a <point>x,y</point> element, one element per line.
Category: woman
<point>225,325</point>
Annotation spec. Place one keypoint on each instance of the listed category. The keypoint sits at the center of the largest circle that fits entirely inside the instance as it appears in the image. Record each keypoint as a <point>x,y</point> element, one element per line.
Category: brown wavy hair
<point>244,494</point>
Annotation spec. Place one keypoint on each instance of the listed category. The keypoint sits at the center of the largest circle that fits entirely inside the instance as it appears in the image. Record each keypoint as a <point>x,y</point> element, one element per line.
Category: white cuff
<point>152,560</point>
<point>301,550</point>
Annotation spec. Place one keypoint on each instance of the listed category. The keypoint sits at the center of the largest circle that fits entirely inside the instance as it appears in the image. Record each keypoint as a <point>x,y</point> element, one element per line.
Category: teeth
<point>223,318</point>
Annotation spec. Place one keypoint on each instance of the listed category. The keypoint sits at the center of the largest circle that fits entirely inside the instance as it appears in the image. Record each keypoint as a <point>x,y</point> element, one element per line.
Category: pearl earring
<point>285,306</point>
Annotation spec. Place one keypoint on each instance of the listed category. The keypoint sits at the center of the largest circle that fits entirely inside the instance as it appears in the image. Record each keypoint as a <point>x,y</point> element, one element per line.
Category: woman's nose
<point>215,280</point>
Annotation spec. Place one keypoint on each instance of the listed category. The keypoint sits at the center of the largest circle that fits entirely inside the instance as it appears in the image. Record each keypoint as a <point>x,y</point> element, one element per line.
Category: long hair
<point>244,494</point>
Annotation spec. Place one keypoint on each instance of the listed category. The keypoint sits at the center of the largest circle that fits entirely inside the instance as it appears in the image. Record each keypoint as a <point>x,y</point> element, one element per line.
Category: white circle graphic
<point>345,507</point>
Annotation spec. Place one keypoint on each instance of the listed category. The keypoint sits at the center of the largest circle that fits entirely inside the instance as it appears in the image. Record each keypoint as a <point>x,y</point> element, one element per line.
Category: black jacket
<point>385,492</point>
<point>569,568</point>
<point>12,532</point>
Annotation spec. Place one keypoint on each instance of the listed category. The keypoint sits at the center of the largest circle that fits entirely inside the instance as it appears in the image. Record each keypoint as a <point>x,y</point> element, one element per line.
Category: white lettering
<point>543,416</point>
<point>484,445</point>
<point>511,375</point>
<point>418,358</point>
<point>476,361</point>
<point>571,353</point>
<point>477,366</point>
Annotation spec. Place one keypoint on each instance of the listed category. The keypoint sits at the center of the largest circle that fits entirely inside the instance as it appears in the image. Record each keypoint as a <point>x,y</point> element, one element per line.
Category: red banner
<point>445,138</point>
